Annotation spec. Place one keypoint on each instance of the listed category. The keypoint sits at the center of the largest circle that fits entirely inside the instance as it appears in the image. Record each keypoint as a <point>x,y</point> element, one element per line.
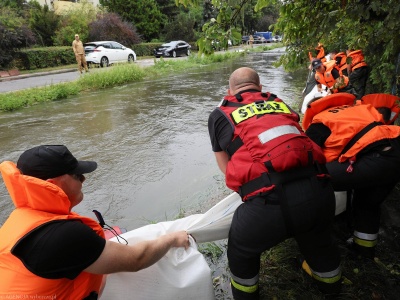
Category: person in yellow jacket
<point>357,70</point>
<point>49,251</point>
<point>79,52</point>
<point>362,154</point>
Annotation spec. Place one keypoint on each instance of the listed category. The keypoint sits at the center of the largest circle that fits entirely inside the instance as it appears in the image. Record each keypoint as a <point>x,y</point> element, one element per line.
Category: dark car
<point>172,49</point>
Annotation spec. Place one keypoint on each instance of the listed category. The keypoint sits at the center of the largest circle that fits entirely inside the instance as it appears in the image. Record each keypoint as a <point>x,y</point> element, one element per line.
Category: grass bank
<point>106,78</point>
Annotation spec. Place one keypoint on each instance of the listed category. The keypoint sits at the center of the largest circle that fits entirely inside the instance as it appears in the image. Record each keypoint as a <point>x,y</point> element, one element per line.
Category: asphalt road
<point>15,83</point>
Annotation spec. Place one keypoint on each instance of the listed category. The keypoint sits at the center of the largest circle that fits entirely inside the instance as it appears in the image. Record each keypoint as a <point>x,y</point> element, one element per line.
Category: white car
<point>276,39</point>
<point>105,53</point>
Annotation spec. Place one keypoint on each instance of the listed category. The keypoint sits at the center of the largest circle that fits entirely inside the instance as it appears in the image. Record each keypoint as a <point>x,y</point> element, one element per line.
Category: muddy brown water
<point>149,138</point>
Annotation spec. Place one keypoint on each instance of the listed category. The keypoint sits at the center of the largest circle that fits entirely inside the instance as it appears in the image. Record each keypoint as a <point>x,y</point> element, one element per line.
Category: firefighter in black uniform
<point>279,173</point>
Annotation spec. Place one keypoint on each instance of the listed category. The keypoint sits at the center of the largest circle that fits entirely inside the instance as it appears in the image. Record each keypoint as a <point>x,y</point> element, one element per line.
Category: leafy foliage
<point>75,20</point>
<point>15,34</point>
<point>144,14</point>
<point>45,57</point>
<point>234,18</point>
<point>16,4</point>
<point>368,25</point>
<point>110,26</point>
<point>181,28</point>
<point>43,22</point>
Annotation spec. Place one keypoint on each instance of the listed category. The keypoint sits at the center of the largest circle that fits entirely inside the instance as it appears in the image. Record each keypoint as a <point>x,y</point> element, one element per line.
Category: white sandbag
<point>341,201</point>
<point>215,223</point>
<point>180,274</point>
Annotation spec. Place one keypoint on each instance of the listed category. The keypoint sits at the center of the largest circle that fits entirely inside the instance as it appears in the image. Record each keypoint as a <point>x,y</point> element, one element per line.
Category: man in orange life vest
<point>319,53</point>
<point>362,153</point>
<point>357,70</point>
<point>48,251</point>
<point>279,173</point>
<point>328,74</point>
<point>340,58</point>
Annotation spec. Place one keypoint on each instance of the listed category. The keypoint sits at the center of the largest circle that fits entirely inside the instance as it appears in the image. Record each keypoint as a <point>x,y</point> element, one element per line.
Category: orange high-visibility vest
<point>37,202</point>
<point>347,120</point>
<point>357,59</point>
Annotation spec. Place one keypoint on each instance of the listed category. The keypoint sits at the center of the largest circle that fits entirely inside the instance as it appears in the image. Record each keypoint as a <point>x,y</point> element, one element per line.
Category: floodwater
<point>149,138</point>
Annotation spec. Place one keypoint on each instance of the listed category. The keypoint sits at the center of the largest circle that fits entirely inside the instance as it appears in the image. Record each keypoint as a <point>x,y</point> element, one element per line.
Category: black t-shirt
<point>220,130</point>
<point>59,249</point>
<point>319,133</point>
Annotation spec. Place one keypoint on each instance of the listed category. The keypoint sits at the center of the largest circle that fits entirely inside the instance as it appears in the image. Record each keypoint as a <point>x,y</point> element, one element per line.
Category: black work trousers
<point>358,79</point>
<point>373,177</point>
<point>259,224</point>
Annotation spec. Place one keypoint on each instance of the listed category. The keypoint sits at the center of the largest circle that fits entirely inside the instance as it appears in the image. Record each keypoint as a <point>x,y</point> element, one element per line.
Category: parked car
<point>172,49</point>
<point>258,39</point>
<point>276,39</point>
<point>217,45</point>
<point>266,34</point>
<point>105,53</point>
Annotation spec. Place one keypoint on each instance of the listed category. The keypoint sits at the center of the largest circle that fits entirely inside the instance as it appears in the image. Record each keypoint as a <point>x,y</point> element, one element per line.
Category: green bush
<point>145,49</point>
<point>40,58</point>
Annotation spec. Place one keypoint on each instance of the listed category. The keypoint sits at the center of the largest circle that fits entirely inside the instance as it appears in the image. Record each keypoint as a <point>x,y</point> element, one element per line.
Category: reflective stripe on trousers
<point>245,285</point>
<point>365,239</point>
<point>325,277</point>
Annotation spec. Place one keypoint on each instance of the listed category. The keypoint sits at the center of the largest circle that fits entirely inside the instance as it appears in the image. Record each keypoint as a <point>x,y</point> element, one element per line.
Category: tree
<point>109,26</point>
<point>75,20</point>
<point>43,22</point>
<point>16,4</point>
<point>181,28</point>
<point>168,8</point>
<point>144,14</point>
<point>370,25</point>
<point>15,34</point>
<point>360,24</point>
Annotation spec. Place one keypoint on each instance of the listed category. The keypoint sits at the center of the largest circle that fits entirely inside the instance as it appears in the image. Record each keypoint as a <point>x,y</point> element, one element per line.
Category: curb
<point>9,78</point>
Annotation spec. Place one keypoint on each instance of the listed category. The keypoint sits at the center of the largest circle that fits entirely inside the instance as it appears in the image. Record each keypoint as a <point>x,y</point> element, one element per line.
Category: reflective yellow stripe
<point>306,268</point>
<point>246,289</point>
<point>260,108</point>
<point>331,279</point>
<point>365,243</point>
<point>328,280</point>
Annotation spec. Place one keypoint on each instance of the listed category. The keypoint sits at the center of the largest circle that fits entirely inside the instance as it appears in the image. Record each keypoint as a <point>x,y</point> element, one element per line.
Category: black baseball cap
<point>50,161</point>
<point>316,63</point>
